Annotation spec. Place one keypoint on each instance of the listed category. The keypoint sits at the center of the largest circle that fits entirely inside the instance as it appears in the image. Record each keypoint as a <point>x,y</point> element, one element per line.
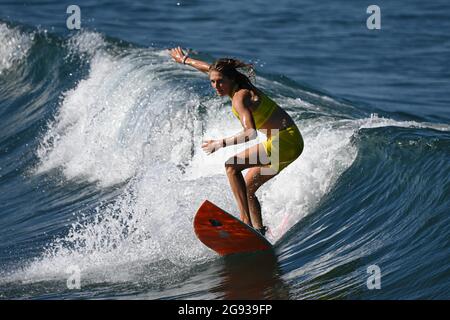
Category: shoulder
<point>242,97</point>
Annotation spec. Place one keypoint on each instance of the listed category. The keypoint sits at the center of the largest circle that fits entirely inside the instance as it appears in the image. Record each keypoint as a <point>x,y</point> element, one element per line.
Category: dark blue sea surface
<point>101,166</point>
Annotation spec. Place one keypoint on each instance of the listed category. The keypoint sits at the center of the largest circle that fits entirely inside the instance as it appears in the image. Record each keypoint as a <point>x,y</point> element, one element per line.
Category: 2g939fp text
<point>248,309</point>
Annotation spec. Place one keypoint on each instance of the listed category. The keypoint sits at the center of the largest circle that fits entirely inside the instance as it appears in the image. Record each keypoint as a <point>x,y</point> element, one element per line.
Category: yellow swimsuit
<point>284,146</point>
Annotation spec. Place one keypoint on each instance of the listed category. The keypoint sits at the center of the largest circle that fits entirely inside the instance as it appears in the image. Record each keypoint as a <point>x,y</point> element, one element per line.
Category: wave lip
<point>14,48</point>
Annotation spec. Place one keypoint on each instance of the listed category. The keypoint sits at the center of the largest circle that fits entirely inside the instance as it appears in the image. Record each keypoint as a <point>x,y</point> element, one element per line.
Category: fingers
<point>207,146</point>
<point>207,141</point>
<point>176,53</point>
<point>177,49</point>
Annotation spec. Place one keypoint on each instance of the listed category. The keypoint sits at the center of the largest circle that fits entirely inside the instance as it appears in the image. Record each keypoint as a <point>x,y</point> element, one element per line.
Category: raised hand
<point>177,54</point>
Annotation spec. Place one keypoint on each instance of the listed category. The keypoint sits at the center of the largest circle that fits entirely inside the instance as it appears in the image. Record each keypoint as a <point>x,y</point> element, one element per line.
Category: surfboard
<point>224,233</point>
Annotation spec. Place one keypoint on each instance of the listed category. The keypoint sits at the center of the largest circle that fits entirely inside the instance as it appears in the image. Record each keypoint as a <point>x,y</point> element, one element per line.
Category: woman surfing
<point>255,111</point>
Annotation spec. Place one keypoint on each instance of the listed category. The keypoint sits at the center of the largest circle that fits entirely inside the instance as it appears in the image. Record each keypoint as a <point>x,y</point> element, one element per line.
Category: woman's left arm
<point>241,102</point>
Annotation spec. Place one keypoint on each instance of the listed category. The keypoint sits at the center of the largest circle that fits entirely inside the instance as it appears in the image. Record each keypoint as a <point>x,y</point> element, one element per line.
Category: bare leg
<point>254,180</point>
<point>239,189</point>
<point>254,157</point>
<point>255,211</point>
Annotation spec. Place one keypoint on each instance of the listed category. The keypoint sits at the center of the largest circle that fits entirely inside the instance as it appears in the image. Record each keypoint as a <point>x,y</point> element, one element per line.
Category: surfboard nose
<point>224,233</point>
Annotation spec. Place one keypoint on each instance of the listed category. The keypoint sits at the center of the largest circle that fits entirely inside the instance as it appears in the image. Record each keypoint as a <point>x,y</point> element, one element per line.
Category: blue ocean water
<point>101,168</point>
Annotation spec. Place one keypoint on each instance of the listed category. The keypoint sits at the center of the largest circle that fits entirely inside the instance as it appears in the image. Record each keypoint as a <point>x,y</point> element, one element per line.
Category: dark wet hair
<point>228,67</point>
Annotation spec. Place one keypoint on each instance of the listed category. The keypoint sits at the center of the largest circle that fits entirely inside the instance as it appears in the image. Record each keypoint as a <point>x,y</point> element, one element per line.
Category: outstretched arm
<point>179,56</point>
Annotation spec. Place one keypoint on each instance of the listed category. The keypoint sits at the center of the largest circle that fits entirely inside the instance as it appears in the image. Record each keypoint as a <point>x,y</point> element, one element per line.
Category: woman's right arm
<point>178,55</point>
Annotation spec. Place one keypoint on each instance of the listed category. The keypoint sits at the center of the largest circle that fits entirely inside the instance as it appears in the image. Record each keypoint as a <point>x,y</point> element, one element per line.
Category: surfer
<point>256,111</point>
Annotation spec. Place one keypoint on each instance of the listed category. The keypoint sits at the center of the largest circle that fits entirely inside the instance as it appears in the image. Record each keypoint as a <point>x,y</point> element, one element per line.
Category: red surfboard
<point>226,234</point>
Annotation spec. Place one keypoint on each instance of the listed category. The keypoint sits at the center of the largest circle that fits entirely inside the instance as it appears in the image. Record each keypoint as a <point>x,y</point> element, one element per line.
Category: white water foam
<point>14,46</point>
<point>85,43</point>
<point>112,121</point>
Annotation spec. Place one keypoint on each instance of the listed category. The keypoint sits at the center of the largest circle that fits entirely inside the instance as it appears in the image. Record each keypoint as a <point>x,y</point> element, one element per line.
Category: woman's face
<point>220,83</point>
